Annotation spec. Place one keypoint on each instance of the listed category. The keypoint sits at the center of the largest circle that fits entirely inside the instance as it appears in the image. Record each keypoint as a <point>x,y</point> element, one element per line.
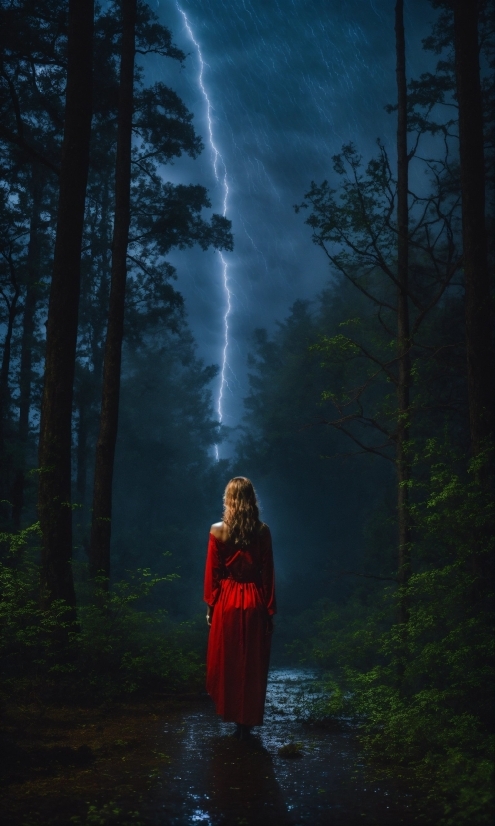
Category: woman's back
<point>240,594</point>
<point>249,563</point>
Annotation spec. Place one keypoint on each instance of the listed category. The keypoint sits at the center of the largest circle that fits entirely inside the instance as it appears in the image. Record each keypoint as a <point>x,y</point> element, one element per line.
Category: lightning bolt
<point>220,171</point>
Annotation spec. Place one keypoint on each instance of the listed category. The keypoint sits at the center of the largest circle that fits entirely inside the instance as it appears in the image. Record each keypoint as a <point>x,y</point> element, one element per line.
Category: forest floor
<point>173,761</point>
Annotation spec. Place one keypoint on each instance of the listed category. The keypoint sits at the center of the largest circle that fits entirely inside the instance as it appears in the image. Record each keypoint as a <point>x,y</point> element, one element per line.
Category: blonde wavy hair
<point>240,511</point>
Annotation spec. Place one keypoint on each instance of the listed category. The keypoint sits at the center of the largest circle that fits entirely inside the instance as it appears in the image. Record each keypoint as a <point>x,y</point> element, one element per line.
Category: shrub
<point>116,648</point>
<point>431,720</point>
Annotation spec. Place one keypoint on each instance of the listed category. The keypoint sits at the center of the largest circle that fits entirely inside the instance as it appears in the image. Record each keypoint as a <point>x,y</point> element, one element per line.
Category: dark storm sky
<point>289,82</point>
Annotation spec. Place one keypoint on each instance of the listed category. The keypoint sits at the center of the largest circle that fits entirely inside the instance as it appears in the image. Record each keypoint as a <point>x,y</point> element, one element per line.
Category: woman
<point>240,594</point>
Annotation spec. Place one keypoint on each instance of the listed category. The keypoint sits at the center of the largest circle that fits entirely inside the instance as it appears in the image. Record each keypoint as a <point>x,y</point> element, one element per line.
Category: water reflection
<point>213,779</point>
<point>242,785</point>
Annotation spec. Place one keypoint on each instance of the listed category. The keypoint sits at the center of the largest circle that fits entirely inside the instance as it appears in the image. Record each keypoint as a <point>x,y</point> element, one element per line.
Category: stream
<point>212,779</point>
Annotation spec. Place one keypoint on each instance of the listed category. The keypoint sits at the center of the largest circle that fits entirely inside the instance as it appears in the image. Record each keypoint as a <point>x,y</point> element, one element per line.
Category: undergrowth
<point>117,648</point>
<point>422,695</point>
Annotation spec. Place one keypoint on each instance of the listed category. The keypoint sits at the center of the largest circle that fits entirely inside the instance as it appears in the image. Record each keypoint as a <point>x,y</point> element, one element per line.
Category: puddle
<point>215,780</point>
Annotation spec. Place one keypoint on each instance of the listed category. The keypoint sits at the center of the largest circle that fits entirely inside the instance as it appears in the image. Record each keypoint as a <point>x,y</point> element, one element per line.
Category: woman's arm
<point>267,572</point>
<point>209,614</point>
<point>212,576</point>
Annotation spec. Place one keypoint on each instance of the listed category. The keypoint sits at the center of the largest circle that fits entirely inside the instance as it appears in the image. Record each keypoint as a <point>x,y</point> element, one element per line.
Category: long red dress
<point>240,587</point>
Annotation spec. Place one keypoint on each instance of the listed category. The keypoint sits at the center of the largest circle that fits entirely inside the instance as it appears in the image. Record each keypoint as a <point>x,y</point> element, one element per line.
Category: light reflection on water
<point>198,816</point>
<point>216,780</point>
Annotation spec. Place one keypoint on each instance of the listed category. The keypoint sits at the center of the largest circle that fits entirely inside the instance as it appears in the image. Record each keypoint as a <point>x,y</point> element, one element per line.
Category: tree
<point>160,216</point>
<point>403,335</point>
<point>12,230</point>
<point>105,448</point>
<point>33,291</point>
<point>463,36</point>
<point>163,461</point>
<point>33,64</point>
<point>358,232</point>
<point>55,498</point>
<point>387,239</point>
<point>479,316</point>
<point>33,71</point>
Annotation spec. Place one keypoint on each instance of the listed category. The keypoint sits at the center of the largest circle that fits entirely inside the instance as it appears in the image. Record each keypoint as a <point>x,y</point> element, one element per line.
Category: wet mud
<point>175,763</point>
<point>216,780</point>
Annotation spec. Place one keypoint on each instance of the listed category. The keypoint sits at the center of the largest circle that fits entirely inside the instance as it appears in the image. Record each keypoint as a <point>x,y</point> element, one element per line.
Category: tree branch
<point>34,153</point>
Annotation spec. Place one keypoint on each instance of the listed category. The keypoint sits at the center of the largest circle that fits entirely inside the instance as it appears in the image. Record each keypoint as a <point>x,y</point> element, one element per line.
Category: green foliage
<point>163,464</point>
<point>29,647</point>
<point>124,650</point>
<point>164,216</point>
<point>423,693</point>
<point>117,648</point>
<point>314,493</point>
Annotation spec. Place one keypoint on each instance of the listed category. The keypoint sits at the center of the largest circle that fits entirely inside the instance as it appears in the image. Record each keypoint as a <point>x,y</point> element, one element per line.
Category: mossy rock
<point>291,751</point>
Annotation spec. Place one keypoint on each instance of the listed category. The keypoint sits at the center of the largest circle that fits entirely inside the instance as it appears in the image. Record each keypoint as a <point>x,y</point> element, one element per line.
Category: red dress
<point>240,587</point>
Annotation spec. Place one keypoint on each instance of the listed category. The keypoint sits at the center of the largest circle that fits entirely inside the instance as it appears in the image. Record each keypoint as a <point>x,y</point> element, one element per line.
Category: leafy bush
<point>424,694</point>
<point>115,649</point>
<point>124,650</point>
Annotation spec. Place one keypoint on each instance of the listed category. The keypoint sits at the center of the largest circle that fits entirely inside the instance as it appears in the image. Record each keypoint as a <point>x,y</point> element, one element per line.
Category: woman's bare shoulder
<point>219,531</point>
<point>265,531</point>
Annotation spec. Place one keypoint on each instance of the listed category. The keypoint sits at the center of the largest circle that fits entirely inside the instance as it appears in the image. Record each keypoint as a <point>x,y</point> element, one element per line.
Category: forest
<point>368,428</point>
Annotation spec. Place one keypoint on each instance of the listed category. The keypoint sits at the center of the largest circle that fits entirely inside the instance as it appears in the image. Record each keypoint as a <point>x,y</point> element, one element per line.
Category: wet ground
<point>215,780</point>
<point>173,762</point>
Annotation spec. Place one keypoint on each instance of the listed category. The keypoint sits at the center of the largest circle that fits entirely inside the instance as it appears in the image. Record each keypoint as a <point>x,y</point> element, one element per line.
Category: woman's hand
<point>209,615</point>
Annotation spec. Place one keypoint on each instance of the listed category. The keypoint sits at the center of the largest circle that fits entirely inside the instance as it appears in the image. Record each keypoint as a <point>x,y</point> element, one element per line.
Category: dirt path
<point>215,779</point>
<point>175,763</point>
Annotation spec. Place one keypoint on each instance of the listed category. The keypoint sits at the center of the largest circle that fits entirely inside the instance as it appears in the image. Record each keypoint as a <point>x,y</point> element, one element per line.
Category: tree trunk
<point>85,397</point>
<point>27,342</point>
<point>54,501</point>
<point>32,296</point>
<point>82,449</point>
<point>479,344</point>
<point>7,352</point>
<point>5,453</point>
<point>105,448</point>
<point>403,342</point>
